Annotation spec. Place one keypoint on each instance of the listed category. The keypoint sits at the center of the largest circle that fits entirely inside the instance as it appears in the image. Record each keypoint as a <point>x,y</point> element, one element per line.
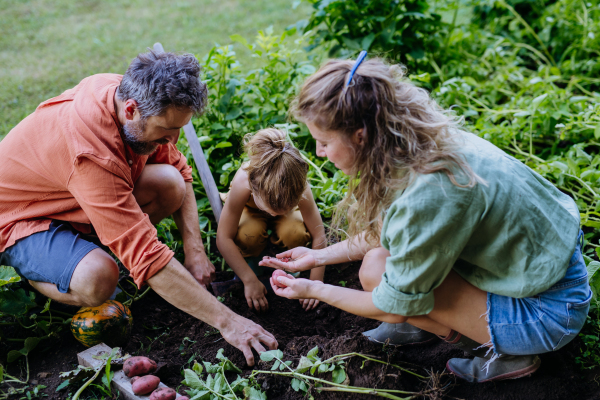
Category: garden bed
<point>174,339</point>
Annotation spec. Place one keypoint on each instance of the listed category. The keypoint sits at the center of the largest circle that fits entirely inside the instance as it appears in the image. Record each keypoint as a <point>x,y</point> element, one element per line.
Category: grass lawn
<point>47,46</point>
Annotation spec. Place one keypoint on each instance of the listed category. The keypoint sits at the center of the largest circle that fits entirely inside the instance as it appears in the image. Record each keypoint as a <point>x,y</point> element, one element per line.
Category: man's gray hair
<point>159,81</point>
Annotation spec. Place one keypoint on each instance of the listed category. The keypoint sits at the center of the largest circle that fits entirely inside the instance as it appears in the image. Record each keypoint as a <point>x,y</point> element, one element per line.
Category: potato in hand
<point>276,274</point>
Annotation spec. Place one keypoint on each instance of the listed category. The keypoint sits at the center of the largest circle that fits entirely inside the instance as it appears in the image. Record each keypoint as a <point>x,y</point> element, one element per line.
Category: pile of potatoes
<point>138,368</point>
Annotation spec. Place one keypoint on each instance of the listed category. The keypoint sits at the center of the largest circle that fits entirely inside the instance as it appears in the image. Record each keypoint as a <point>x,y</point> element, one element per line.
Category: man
<point>101,159</point>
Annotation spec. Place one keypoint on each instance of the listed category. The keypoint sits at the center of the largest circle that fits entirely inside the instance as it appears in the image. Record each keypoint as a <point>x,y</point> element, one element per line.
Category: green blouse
<point>512,235</point>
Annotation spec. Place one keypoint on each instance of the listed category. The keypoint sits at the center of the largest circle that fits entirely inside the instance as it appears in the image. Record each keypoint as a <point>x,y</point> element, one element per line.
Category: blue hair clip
<point>359,60</point>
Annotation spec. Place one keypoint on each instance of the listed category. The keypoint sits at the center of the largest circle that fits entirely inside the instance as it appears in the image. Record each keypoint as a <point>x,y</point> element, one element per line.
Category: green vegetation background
<point>523,74</point>
<point>48,46</point>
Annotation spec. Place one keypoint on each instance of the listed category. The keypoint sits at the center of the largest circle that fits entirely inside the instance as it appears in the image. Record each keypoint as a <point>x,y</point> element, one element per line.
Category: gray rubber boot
<point>503,367</point>
<point>466,344</point>
<point>399,334</point>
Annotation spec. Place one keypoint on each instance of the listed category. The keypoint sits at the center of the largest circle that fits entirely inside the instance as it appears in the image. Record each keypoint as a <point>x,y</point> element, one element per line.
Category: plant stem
<point>85,385</point>
<point>325,382</point>
<point>62,313</point>
<point>225,379</point>
<point>374,392</point>
<point>328,361</point>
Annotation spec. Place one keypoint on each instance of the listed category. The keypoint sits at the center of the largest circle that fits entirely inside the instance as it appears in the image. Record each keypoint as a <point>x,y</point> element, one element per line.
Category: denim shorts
<point>49,256</point>
<point>545,322</point>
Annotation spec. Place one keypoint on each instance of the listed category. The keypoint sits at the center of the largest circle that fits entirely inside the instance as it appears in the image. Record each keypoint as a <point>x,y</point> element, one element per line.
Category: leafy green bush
<point>401,30</point>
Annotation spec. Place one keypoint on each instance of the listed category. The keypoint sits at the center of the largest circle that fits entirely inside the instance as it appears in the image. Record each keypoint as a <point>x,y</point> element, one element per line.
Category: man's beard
<point>132,134</point>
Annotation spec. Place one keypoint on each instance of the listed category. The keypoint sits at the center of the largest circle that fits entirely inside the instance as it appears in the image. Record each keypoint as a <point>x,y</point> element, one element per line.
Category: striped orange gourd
<point>110,323</point>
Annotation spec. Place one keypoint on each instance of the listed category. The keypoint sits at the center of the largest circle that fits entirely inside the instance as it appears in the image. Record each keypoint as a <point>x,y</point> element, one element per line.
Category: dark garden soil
<point>173,339</point>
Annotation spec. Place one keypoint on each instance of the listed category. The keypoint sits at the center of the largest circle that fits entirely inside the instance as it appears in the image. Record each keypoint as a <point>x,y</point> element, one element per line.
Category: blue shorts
<point>545,322</point>
<point>49,256</point>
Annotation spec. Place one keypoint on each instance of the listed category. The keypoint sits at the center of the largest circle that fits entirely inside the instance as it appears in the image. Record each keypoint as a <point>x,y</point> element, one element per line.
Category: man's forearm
<point>176,285</point>
<point>187,222</point>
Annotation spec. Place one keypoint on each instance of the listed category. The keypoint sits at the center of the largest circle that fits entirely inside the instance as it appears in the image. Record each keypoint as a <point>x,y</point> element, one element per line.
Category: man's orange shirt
<point>67,161</point>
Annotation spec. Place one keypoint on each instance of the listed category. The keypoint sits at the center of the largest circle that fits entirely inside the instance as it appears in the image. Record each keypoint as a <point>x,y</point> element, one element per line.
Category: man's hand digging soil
<point>175,284</point>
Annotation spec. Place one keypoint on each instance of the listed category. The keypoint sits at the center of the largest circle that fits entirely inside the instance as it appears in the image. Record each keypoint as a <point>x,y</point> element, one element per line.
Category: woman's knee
<point>95,278</point>
<point>372,268</point>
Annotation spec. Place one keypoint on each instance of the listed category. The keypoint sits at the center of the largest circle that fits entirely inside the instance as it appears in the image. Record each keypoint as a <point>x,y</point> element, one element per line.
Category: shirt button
<point>130,162</point>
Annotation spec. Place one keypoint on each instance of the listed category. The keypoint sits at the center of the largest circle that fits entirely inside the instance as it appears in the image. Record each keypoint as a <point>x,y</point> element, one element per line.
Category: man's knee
<point>161,185</point>
<point>95,278</point>
<point>372,268</point>
<point>171,187</point>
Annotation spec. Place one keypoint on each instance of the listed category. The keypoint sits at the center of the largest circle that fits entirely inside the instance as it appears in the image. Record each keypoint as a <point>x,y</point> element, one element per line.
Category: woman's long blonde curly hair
<point>405,133</point>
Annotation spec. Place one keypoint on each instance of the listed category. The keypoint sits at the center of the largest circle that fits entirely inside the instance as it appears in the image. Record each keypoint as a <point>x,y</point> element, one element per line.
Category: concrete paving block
<point>120,382</point>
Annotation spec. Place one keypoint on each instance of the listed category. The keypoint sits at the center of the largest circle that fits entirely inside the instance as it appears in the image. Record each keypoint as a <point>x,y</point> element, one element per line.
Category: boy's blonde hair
<point>276,170</point>
<point>405,133</point>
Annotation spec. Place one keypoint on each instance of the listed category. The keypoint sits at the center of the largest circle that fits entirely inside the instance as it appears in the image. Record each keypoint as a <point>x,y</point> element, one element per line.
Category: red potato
<point>144,384</point>
<point>276,274</point>
<point>138,366</point>
<point>163,393</point>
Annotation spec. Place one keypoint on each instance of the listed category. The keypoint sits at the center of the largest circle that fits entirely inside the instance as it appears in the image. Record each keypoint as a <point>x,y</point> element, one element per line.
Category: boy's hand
<point>255,293</point>
<point>309,304</point>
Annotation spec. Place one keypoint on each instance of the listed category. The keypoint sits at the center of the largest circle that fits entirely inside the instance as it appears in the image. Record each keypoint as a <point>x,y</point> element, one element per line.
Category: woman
<point>474,246</point>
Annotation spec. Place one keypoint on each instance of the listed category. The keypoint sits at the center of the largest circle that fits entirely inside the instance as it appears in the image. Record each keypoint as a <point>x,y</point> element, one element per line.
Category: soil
<point>174,339</point>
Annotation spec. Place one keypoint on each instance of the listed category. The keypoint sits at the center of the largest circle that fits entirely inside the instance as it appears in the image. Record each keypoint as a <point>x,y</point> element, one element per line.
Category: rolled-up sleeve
<point>168,154</point>
<point>424,230</point>
<point>108,201</point>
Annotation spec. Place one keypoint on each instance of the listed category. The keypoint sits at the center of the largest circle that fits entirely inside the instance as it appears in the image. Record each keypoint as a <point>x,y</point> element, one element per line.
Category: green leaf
<point>30,344</point>
<point>197,368</point>
<point>15,302</point>
<point>367,41</point>
<point>46,306</point>
<point>223,145</point>
<point>13,355</point>
<point>303,386</point>
<point>275,365</point>
<point>597,132</point>
<point>304,364</point>
<point>338,375</point>
<point>251,393</point>
<point>323,368</point>
<point>192,380</point>
<point>62,385</point>
<point>219,384</point>
<point>1,373</point>
<point>594,276</point>
<point>538,100</point>
<point>229,366</point>
<point>239,39</point>
<point>233,113</point>
<point>295,384</point>
<point>268,356</point>
<point>200,395</point>
<point>312,354</point>
<point>8,275</point>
